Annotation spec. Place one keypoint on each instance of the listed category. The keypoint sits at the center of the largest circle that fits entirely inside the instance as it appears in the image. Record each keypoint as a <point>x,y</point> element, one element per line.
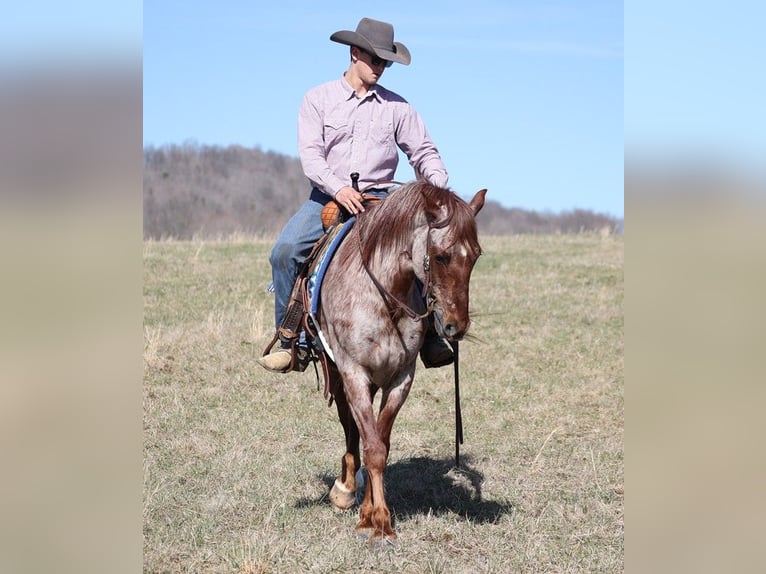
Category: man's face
<point>370,67</point>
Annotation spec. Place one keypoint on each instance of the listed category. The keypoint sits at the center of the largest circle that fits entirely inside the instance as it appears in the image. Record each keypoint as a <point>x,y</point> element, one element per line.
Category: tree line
<point>193,190</point>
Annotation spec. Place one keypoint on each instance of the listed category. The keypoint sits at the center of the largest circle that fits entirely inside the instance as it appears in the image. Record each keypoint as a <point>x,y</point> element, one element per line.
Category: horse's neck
<point>393,271</point>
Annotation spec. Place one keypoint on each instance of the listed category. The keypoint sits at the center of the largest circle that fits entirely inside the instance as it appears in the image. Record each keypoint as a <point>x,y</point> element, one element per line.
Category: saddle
<point>303,303</point>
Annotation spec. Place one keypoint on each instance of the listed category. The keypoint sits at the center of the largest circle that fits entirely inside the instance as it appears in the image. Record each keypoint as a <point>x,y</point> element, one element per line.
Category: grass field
<point>238,461</point>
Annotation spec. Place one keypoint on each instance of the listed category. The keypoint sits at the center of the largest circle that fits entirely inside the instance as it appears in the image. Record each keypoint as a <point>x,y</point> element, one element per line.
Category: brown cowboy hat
<point>376,38</point>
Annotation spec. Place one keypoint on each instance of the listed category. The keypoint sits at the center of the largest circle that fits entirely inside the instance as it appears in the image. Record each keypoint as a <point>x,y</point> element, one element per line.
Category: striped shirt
<point>340,133</point>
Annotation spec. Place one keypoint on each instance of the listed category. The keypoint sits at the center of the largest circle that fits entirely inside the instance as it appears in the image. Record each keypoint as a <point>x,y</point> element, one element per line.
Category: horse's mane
<point>389,226</point>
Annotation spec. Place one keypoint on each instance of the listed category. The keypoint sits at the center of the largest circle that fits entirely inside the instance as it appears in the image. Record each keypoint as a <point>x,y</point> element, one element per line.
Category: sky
<point>524,98</point>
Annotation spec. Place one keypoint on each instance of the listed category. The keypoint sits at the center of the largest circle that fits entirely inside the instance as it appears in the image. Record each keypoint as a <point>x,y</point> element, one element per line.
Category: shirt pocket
<point>336,132</point>
<point>382,133</point>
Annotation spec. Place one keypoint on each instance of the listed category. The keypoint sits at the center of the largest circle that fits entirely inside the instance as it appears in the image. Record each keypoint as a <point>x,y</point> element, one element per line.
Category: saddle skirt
<point>316,275</point>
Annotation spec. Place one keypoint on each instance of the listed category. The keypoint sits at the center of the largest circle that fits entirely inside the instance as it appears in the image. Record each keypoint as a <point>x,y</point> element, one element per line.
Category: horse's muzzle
<point>448,328</point>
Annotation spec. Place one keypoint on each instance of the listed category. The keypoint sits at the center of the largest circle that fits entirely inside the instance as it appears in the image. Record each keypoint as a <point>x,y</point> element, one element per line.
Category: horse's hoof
<point>341,497</point>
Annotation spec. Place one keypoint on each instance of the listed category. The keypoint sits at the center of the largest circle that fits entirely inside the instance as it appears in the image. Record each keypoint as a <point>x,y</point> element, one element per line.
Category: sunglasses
<point>375,61</point>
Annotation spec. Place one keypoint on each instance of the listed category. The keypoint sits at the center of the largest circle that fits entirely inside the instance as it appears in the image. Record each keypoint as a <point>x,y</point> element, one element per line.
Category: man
<point>352,124</point>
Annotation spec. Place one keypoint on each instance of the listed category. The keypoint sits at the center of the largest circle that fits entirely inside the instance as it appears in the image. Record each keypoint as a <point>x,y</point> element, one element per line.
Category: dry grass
<point>238,461</point>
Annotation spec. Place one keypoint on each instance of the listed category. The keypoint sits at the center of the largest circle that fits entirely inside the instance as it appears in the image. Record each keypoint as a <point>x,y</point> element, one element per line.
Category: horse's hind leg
<point>343,493</point>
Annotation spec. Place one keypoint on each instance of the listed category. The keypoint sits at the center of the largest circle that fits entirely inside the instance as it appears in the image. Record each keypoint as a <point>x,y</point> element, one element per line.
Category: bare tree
<point>211,191</point>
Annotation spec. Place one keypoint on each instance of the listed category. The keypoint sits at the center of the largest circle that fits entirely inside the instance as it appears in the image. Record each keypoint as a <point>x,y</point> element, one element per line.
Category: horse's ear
<point>478,201</point>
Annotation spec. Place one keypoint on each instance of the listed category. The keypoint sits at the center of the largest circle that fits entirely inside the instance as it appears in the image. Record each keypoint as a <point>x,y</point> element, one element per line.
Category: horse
<point>405,262</point>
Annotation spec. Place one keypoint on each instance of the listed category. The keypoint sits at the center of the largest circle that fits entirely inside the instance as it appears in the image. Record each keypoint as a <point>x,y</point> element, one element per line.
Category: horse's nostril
<point>452,332</point>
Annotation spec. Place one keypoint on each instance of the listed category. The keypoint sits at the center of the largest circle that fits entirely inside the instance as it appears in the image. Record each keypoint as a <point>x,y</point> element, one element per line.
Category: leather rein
<point>427,285</point>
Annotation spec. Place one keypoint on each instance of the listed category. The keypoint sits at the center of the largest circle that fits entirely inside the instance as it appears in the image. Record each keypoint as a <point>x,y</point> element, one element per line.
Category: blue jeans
<point>294,245</point>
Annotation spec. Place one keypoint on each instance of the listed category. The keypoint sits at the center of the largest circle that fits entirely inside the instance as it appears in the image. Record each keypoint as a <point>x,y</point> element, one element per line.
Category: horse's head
<point>450,251</point>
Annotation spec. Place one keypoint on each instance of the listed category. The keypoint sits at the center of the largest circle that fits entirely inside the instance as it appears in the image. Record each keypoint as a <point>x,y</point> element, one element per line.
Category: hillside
<point>209,191</point>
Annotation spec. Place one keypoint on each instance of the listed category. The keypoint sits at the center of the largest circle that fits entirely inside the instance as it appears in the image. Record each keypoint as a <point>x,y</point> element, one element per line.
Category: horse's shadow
<point>420,486</point>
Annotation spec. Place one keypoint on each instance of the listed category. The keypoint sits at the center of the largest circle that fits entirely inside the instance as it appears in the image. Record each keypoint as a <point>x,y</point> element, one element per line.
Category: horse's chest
<point>393,347</point>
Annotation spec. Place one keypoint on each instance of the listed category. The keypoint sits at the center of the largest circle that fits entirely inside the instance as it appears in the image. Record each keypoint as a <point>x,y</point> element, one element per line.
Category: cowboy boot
<point>279,361</point>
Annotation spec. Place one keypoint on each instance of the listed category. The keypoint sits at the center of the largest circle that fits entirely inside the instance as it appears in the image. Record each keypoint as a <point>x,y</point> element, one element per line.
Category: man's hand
<point>351,199</point>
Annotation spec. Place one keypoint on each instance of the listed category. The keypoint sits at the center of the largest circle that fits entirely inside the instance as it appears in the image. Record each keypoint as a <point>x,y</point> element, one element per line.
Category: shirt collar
<point>351,93</point>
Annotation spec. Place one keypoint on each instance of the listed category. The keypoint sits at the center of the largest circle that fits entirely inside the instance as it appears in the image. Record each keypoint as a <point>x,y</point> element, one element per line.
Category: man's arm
<point>311,149</point>
<point>413,139</point>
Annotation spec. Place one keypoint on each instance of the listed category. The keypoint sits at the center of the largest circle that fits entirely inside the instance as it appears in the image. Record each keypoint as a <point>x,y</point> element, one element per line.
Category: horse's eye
<point>442,258</point>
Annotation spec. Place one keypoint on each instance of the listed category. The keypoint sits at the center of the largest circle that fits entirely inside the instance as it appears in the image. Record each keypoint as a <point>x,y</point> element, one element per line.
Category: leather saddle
<point>304,298</point>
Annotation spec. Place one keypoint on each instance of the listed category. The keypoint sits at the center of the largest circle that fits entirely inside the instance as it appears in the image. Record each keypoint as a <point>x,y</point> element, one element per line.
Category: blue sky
<point>524,98</point>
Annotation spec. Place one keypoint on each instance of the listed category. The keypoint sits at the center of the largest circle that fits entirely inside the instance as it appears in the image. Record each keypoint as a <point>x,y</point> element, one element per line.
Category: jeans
<point>294,245</point>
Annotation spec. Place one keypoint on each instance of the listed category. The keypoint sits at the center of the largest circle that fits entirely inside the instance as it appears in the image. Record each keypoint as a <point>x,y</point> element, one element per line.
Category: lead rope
<point>458,414</point>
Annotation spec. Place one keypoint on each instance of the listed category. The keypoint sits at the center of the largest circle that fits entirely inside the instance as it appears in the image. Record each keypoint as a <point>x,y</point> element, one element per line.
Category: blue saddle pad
<point>316,277</point>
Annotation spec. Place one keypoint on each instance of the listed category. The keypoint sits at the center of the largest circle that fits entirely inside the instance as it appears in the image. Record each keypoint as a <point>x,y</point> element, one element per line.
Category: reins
<point>385,293</point>
<point>426,294</point>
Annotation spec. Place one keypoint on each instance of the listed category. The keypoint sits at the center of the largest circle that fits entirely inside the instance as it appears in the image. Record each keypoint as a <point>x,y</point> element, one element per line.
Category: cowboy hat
<point>376,38</point>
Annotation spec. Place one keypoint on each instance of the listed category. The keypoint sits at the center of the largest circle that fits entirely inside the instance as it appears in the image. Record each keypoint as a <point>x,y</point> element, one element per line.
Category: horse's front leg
<point>343,493</point>
<point>374,515</point>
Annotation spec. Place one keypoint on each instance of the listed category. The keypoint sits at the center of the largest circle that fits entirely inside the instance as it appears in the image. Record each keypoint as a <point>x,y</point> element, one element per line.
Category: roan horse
<point>406,258</point>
